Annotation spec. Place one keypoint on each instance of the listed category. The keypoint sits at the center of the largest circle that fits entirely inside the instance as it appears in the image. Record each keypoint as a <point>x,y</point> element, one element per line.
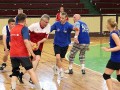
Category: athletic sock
<point>83,66</point>
<point>13,84</point>
<point>70,66</point>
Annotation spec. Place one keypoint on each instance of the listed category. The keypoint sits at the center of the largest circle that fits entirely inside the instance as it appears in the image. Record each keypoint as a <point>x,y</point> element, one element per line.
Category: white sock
<point>13,84</point>
<point>83,66</point>
<point>37,86</point>
<point>56,66</point>
<point>70,66</point>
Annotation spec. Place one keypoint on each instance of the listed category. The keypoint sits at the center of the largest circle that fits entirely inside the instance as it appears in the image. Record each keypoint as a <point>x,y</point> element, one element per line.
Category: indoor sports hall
<point>94,13</point>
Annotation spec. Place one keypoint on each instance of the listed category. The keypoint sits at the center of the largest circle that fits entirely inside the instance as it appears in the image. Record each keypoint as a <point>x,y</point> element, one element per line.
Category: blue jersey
<point>83,36</point>
<point>115,56</point>
<point>62,36</point>
<point>8,34</point>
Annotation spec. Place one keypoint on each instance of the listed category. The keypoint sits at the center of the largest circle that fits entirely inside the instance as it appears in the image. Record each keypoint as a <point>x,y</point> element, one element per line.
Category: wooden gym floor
<point>90,81</point>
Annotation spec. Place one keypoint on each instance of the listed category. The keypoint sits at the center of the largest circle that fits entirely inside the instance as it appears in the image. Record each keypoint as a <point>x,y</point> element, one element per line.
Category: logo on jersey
<point>14,35</point>
<point>84,28</point>
<point>58,30</point>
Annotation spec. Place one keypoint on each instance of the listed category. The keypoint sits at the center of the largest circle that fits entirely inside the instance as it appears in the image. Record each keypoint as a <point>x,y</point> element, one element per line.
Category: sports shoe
<point>10,75</point>
<point>31,81</point>
<point>83,71</point>
<point>20,77</point>
<point>12,89</point>
<point>55,70</point>
<point>69,71</point>
<point>39,89</point>
<point>3,66</point>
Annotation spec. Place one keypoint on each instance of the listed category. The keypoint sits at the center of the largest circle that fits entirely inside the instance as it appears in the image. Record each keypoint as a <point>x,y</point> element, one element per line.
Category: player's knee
<point>118,78</point>
<point>81,57</point>
<point>37,57</point>
<point>58,58</point>
<point>106,76</point>
<point>15,72</point>
<point>71,57</point>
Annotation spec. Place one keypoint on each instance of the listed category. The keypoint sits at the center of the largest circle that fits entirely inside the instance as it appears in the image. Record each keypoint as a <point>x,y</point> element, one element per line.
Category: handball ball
<point>34,47</point>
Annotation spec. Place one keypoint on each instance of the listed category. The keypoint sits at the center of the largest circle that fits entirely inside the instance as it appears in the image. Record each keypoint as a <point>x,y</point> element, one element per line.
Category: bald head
<point>76,17</point>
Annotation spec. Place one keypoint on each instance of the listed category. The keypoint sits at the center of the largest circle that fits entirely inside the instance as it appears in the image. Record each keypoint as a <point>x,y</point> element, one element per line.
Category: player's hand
<point>38,44</point>
<point>32,43</point>
<point>105,49</point>
<point>35,47</point>
<point>76,40</point>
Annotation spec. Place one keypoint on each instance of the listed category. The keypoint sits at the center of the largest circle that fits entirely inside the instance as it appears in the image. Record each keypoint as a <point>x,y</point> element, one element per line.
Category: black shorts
<point>113,65</point>
<point>37,52</point>
<point>24,61</point>
<point>8,46</point>
<point>60,50</point>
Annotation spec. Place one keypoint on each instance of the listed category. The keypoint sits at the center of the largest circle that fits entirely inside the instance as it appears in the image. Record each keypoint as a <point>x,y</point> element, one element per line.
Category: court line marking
<point>86,67</point>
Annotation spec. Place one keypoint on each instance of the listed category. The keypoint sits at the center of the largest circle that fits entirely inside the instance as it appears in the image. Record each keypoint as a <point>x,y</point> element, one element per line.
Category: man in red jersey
<point>38,35</point>
<point>20,46</point>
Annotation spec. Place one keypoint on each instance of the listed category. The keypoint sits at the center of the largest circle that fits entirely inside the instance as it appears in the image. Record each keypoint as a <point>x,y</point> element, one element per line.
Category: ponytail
<point>113,23</point>
<point>116,26</point>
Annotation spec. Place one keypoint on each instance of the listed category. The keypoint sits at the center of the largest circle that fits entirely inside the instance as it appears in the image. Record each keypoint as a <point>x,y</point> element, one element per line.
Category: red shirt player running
<point>38,35</point>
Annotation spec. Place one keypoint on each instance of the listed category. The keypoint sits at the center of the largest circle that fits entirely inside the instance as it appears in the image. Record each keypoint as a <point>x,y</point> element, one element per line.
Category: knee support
<point>106,76</point>
<point>118,78</point>
<point>15,72</point>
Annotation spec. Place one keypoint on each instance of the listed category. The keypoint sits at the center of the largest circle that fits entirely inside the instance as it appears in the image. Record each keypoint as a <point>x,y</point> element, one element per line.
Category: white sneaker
<point>59,77</point>
<point>37,89</point>
<point>55,70</point>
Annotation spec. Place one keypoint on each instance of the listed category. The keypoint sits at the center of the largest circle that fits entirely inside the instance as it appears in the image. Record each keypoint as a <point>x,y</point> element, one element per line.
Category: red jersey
<point>17,45</point>
<point>58,17</point>
<point>37,33</point>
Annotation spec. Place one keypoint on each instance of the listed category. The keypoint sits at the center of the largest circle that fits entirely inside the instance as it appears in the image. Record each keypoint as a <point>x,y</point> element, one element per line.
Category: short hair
<point>11,20</point>
<point>21,17</point>
<point>64,14</point>
<point>45,16</point>
<point>20,9</point>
